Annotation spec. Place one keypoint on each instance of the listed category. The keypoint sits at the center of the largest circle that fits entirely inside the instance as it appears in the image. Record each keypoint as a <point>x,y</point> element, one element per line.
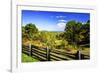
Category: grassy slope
<point>26,58</point>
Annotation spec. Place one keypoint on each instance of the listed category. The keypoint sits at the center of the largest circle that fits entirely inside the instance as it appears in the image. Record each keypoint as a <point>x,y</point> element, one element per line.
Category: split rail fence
<point>46,54</point>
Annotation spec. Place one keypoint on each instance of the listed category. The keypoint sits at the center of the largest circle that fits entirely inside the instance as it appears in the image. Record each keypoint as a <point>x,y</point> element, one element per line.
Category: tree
<point>31,30</point>
<point>85,33</point>
<point>23,31</point>
<point>77,33</point>
<point>72,31</point>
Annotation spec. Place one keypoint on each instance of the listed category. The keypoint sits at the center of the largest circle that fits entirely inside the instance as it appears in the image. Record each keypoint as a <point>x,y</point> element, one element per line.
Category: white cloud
<point>62,20</point>
<point>60,16</point>
<point>61,25</point>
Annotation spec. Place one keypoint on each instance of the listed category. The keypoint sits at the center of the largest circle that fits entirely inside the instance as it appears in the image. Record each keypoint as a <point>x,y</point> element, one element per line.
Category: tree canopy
<point>77,33</point>
<point>29,30</point>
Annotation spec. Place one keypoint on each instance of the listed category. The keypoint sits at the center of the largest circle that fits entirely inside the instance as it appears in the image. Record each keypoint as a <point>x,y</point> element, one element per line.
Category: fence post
<point>48,54</point>
<point>30,49</point>
<point>79,54</point>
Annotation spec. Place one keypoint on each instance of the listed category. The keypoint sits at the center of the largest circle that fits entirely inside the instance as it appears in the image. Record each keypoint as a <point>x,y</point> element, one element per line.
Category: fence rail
<point>46,54</point>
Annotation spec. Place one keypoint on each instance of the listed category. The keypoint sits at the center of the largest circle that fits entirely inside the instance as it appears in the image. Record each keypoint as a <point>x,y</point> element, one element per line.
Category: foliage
<point>29,30</point>
<point>77,33</point>
<point>85,33</point>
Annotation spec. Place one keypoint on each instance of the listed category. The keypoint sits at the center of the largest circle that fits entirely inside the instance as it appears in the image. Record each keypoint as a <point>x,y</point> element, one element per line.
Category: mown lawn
<point>26,58</point>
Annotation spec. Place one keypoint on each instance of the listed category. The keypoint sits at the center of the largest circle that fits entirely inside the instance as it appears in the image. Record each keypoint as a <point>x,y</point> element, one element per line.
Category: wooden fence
<point>46,54</point>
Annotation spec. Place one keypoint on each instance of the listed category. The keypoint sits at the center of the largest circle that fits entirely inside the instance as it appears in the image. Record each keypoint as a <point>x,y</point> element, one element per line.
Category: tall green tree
<point>77,33</point>
<point>30,29</point>
<point>85,33</point>
<point>72,30</point>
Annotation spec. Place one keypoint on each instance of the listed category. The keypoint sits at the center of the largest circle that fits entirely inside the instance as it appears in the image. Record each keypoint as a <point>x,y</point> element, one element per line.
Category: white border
<point>17,66</point>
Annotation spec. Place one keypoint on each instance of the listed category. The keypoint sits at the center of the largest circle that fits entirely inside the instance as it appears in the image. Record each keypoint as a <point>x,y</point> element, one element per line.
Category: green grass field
<point>26,58</point>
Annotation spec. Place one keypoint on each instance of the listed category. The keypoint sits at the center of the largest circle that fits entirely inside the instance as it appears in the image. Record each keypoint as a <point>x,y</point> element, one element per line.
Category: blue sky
<point>52,21</point>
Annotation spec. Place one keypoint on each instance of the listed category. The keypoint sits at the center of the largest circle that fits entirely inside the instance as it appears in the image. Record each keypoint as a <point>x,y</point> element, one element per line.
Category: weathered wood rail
<point>46,54</point>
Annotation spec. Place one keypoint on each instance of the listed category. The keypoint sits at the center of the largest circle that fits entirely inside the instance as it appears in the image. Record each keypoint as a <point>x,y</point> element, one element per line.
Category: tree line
<point>75,33</point>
